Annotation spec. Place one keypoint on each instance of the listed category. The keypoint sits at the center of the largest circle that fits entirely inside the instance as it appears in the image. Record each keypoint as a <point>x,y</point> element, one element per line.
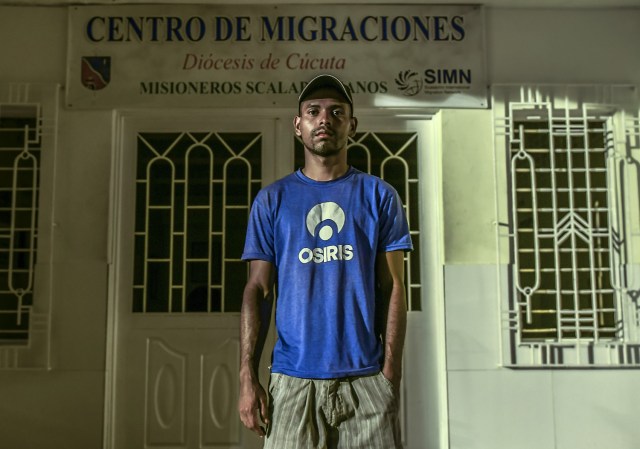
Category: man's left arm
<point>390,279</point>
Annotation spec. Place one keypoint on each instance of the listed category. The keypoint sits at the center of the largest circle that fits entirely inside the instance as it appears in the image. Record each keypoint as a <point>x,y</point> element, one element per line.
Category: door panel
<point>185,189</point>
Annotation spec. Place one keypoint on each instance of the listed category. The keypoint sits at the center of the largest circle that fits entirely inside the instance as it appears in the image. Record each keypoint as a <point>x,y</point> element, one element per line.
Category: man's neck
<point>324,169</point>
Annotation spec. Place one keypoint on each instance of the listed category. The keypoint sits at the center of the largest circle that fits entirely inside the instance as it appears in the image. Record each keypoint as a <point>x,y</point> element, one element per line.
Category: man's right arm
<point>255,317</point>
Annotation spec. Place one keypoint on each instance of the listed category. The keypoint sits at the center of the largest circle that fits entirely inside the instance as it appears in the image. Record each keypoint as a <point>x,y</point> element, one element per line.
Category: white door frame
<point>425,409</point>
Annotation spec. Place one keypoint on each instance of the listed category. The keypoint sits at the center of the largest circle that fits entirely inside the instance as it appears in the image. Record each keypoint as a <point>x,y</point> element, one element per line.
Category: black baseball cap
<point>326,80</point>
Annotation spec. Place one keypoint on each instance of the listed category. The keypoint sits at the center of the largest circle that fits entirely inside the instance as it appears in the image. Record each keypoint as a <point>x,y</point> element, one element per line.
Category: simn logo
<point>409,83</point>
<point>321,221</point>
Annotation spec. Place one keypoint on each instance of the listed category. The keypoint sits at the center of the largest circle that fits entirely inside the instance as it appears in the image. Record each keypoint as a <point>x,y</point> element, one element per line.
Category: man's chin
<point>323,151</point>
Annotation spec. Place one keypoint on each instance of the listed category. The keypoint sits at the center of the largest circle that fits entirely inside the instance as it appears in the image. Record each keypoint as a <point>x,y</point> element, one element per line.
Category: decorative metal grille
<point>570,302</point>
<point>19,186</point>
<point>28,125</point>
<point>194,193</point>
<point>392,156</point>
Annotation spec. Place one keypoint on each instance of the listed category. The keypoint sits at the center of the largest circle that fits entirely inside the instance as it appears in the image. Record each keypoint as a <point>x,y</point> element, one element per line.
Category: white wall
<point>62,408</point>
<point>489,407</point>
<point>563,46</point>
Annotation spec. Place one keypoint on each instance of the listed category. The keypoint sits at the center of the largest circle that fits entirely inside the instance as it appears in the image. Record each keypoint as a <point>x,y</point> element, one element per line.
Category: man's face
<point>325,122</point>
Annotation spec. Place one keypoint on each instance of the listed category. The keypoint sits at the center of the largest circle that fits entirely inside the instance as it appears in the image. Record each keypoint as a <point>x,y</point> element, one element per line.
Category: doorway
<point>181,192</point>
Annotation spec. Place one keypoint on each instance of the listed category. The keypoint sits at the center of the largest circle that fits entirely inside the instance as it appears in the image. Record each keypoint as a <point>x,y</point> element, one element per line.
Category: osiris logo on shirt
<point>317,225</point>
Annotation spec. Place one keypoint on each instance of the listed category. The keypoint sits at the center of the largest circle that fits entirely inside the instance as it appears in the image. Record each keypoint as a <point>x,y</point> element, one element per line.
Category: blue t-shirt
<point>323,238</point>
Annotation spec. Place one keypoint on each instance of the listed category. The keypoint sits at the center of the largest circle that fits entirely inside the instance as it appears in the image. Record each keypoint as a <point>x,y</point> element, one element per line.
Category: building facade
<point>120,226</point>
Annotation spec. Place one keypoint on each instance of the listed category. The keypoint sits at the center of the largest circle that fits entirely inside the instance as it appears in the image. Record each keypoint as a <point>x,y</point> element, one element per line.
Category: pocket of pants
<point>274,383</point>
<point>387,383</point>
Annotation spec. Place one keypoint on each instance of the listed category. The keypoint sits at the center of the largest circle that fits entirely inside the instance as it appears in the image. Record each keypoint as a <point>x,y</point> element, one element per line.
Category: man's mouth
<point>322,133</point>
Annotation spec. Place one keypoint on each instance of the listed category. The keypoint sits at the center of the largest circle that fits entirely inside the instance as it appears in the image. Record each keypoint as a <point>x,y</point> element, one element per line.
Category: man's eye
<point>312,112</point>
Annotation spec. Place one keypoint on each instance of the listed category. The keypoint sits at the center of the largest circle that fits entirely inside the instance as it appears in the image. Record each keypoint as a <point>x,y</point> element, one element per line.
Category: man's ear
<point>296,125</point>
<point>354,126</point>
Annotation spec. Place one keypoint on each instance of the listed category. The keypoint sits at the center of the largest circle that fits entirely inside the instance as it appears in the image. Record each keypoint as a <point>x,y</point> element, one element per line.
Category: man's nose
<point>325,116</point>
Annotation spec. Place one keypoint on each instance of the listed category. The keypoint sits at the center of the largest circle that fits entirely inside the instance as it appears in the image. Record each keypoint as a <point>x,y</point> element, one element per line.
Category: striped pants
<point>350,413</point>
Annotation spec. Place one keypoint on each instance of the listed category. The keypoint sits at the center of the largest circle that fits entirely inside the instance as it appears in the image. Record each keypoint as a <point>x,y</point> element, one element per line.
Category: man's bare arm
<point>390,278</point>
<point>255,317</point>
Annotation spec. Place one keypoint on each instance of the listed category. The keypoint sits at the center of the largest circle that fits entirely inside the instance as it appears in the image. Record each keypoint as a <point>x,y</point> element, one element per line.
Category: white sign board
<point>262,55</point>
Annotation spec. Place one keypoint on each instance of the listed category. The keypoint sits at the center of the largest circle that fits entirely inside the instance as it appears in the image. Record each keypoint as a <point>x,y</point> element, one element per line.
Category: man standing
<point>332,239</point>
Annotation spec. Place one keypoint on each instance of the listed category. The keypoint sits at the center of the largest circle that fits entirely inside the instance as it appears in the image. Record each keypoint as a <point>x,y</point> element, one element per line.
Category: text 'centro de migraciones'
<point>114,29</point>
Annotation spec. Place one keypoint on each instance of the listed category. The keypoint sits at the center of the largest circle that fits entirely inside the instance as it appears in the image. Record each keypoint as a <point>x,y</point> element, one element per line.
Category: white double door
<point>181,193</point>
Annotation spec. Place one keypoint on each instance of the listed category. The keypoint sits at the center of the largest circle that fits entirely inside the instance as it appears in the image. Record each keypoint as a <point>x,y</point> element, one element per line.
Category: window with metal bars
<point>193,197</point>
<point>19,186</point>
<point>572,299</point>
<point>561,233</point>
<point>392,156</point>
